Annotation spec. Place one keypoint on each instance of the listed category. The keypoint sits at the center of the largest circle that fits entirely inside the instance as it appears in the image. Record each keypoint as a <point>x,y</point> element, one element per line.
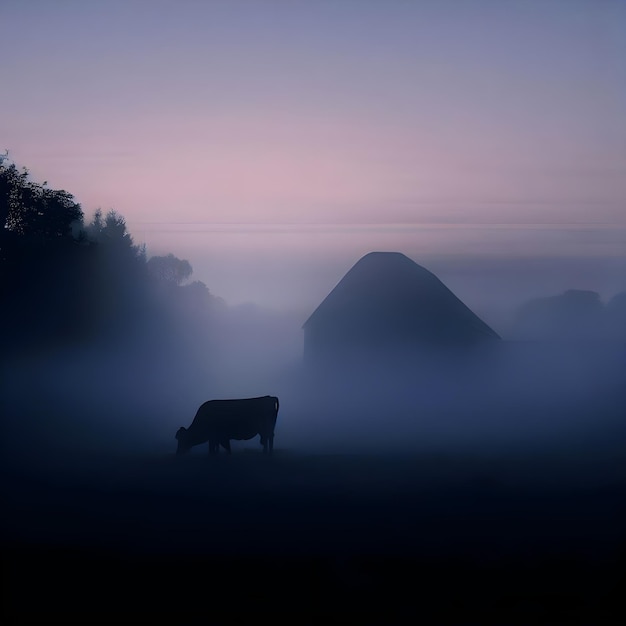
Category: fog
<point>493,267</point>
<point>521,398</point>
<point>495,466</point>
<point>125,396</point>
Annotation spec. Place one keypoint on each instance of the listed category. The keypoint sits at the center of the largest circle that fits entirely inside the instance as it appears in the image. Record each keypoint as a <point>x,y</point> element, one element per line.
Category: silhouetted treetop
<point>169,269</point>
<point>29,208</point>
<point>111,231</point>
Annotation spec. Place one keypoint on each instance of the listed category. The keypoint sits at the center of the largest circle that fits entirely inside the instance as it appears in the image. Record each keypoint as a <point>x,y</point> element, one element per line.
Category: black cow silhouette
<point>219,421</point>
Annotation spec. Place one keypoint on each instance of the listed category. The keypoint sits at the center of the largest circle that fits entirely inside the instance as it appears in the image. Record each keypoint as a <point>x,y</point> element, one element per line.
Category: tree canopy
<point>29,208</point>
<point>66,280</point>
<point>169,269</point>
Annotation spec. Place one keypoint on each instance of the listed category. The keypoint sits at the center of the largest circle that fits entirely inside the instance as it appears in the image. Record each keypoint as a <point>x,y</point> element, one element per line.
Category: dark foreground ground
<point>312,538</point>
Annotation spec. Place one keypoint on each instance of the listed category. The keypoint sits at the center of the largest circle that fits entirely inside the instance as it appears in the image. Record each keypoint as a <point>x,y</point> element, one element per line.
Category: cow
<point>219,421</point>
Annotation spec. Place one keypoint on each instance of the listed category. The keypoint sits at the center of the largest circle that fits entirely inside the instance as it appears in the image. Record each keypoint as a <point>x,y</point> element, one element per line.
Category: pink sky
<point>351,113</point>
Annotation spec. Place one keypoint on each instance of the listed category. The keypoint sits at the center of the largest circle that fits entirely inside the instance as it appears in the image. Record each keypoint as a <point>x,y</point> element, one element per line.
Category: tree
<point>169,270</point>
<point>9,182</point>
<point>28,208</point>
<point>111,231</point>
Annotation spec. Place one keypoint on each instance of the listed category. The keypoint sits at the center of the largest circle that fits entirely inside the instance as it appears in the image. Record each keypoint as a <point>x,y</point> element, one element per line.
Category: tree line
<point>65,280</point>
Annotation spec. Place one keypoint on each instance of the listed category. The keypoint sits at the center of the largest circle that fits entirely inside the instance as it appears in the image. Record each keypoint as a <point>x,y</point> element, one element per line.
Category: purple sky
<point>274,143</point>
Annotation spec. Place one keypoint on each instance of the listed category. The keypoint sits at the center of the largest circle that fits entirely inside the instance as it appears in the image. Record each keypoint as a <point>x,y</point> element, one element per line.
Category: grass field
<point>428,537</point>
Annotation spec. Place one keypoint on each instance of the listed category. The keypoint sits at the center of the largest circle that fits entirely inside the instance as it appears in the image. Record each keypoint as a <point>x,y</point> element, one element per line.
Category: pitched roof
<point>387,290</point>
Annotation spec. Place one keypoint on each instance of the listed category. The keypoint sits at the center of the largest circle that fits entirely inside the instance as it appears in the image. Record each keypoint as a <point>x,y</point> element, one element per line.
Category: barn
<point>387,302</point>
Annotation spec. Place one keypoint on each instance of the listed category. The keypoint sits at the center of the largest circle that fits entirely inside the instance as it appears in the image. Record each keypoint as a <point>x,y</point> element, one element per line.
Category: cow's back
<point>236,419</point>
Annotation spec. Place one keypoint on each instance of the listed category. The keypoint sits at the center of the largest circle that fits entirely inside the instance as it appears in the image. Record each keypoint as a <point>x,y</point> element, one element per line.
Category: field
<point>307,537</point>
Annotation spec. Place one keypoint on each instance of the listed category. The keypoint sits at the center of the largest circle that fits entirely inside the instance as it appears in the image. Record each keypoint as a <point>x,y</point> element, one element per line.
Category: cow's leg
<point>270,443</point>
<point>226,445</point>
<point>213,447</point>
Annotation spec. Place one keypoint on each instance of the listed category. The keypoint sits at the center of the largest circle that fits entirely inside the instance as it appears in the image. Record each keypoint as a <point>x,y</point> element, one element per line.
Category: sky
<point>273,143</point>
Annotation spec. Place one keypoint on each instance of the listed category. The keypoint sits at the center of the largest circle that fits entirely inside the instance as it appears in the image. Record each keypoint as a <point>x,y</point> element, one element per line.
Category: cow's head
<point>183,444</point>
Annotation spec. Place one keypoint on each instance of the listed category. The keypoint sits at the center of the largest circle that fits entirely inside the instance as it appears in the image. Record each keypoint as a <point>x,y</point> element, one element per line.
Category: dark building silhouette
<point>387,303</point>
